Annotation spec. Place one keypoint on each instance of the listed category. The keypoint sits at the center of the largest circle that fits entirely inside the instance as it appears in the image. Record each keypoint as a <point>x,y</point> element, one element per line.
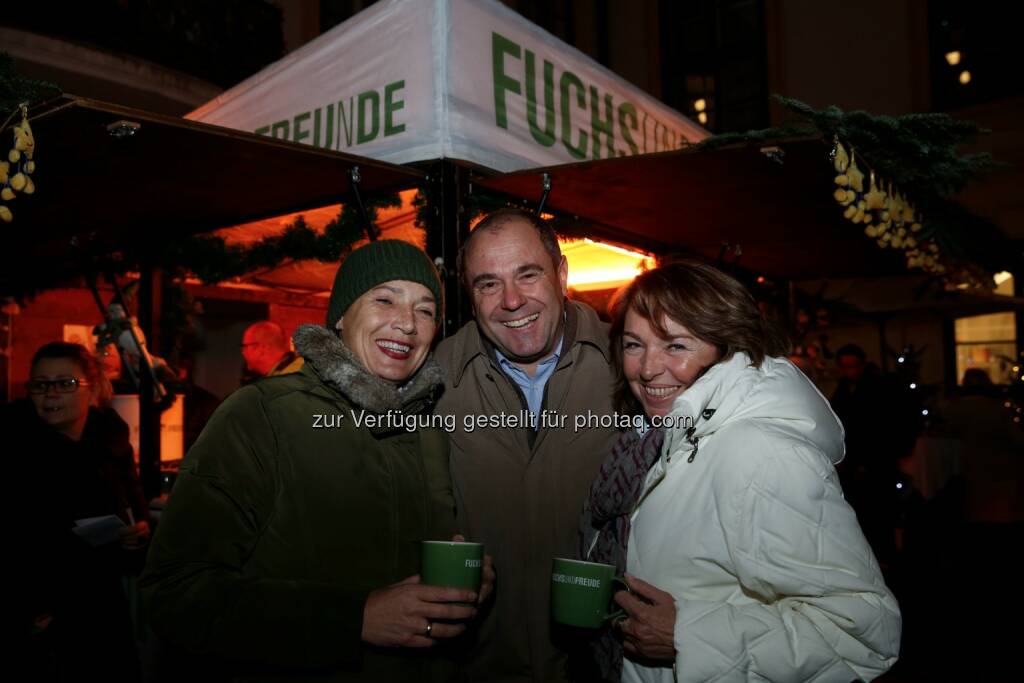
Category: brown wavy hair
<point>713,306</point>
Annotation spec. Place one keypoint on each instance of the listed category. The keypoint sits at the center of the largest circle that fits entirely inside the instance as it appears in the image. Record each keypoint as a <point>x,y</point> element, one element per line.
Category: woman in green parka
<point>289,547</point>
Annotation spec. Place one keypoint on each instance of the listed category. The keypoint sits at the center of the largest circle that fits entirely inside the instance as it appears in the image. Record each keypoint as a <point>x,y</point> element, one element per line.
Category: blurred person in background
<point>72,461</point>
<point>267,350</point>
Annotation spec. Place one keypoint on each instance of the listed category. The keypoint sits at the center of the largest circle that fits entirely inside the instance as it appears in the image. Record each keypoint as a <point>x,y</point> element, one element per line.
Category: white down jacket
<point>743,521</point>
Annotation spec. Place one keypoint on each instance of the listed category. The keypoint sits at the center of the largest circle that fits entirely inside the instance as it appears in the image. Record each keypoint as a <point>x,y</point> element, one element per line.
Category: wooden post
<point>150,295</point>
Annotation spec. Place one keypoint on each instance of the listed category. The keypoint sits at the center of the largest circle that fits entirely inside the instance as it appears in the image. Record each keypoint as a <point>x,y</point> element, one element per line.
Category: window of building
<point>989,342</point>
<point>713,62</point>
<point>973,53</point>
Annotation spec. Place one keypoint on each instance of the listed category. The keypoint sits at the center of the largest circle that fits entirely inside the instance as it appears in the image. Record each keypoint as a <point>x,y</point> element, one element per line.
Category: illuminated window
<point>988,342</point>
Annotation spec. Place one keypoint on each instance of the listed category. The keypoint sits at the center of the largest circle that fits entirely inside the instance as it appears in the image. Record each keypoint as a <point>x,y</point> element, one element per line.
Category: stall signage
<point>358,119</point>
<point>560,108</point>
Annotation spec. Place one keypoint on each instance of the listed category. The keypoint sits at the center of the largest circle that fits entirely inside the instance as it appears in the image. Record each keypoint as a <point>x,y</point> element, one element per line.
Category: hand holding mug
<point>581,592</point>
<point>648,630</point>
<point>487,576</point>
<point>409,614</point>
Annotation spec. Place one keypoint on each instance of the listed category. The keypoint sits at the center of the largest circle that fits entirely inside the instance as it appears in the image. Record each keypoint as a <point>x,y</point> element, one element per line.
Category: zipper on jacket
<point>689,434</point>
<point>693,442</point>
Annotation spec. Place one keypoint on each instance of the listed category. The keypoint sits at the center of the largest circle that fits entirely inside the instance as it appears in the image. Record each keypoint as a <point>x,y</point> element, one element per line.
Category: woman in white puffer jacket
<point>745,561</point>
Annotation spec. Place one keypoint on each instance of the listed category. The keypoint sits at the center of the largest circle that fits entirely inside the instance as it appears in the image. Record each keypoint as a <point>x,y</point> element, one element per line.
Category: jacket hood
<point>776,394</point>
<point>336,365</point>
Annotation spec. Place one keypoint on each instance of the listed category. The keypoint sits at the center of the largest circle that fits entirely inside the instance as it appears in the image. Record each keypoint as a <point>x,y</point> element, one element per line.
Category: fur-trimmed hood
<point>339,368</point>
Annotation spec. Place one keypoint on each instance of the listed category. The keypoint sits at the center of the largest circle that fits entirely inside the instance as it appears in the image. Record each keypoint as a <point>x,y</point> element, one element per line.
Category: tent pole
<point>372,231</point>
<point>447,185</point>
<point>883,343</point>
<point>149,409</point>
<point>545,184</point>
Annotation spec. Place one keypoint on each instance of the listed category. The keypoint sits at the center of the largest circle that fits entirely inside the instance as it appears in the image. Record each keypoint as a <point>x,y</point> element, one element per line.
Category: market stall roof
<point>769,205</point>
<point>109,175</point>
<point>416,80</point>
<point>882,297</point>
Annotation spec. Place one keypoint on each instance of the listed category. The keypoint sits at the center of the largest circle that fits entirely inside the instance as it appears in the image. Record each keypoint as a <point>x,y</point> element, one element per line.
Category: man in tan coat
<point>520,483</point>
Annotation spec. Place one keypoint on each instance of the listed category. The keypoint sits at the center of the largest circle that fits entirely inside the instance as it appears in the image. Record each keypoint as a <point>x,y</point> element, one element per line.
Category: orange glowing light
<point>596,265</point>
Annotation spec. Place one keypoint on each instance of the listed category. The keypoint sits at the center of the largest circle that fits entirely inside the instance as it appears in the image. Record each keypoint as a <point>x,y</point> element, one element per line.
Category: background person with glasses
<point>267,351</point>
<point>69,460</point>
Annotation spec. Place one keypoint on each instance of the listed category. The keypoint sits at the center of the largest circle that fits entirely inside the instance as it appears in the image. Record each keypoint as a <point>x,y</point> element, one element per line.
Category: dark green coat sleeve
<point>195,586</point>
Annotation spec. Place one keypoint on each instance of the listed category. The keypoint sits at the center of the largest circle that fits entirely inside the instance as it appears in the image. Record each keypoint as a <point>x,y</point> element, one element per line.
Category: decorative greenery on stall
<point>209,257</point>
<point>915,169</point>
<point>16,90</point>
<point>212,260</point>
<point>474,204</point>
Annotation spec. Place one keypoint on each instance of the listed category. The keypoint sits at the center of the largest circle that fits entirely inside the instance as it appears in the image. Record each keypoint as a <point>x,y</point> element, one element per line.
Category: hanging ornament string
<point>16,170</point>
<point>887,216</point>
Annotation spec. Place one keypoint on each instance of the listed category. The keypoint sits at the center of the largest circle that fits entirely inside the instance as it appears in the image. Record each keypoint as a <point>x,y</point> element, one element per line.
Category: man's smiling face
<point>518,292</point>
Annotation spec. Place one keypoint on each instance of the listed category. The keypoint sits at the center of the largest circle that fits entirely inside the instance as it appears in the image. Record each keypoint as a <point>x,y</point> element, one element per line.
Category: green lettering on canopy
<point>330,127</point>
<point>280,129</point>
<point>601,126</point>
<point>545,137</point>
<point>392,105</point>
<point>348,124</point>
<point>501,46</point>
<point>297,130</point>
<point>373,99</point>
<point>570,79</point>
<point>627,112</point>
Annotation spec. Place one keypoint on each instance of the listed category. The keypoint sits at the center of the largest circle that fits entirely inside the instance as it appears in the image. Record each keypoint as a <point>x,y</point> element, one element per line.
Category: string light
<point>700,105</point>
<point>953,57</point>
<point>965,77</point>
<point>913,385</point>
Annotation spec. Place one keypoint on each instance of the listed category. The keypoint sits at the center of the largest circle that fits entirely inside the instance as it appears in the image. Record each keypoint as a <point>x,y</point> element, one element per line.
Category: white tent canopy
<point>415,80</point>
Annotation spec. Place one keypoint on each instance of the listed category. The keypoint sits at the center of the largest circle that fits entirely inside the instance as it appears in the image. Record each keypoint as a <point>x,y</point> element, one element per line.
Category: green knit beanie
<point>376,263</point>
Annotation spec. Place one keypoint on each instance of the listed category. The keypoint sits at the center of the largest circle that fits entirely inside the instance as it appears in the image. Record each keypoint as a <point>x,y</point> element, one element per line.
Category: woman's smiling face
<point>390,327</point>
<point>659,368</point>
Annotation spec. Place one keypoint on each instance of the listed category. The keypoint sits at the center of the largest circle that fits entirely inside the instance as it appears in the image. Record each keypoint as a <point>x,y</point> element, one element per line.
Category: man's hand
<point>488,576</point>
<point>408,614</point>
<point>648,630</point>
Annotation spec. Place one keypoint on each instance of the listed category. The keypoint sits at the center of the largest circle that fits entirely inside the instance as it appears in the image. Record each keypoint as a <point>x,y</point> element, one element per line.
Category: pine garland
<point>918,152</point>
<point>208,257</point>
<point>15,89</point>
<point>212,260</point>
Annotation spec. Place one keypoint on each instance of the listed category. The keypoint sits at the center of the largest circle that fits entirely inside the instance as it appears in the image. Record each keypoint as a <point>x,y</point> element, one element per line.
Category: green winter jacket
<point>286,514</point>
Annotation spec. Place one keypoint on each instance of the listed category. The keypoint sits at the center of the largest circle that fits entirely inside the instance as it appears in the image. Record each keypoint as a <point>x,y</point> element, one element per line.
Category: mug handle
<point>619,613</point>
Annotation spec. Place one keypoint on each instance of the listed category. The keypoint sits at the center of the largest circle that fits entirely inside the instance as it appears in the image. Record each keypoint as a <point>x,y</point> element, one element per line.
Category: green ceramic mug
<point>454,564</point>
<point>581,592</point>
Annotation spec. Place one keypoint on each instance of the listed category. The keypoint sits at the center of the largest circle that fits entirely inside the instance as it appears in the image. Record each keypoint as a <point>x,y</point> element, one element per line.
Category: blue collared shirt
<point>533,387</point>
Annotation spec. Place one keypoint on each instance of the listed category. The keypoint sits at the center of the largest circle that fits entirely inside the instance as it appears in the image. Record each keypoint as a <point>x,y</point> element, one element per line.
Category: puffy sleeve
<point>822,610</point>
<point>194,585</point>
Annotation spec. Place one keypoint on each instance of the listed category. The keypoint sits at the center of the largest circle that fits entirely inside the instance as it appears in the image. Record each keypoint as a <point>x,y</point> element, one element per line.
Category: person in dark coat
<point>289,549</point>
<point>880,423</point>
<point>73,461</point>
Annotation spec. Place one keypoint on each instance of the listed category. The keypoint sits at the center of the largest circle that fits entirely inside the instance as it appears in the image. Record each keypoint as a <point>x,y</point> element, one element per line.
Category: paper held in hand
<point>98,531</point>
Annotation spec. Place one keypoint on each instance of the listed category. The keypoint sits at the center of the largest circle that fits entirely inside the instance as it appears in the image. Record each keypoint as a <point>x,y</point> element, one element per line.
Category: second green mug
<point>581,592</point>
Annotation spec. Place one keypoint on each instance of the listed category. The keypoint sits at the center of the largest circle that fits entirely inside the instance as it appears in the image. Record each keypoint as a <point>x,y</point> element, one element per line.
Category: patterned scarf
<point>604,526</point>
